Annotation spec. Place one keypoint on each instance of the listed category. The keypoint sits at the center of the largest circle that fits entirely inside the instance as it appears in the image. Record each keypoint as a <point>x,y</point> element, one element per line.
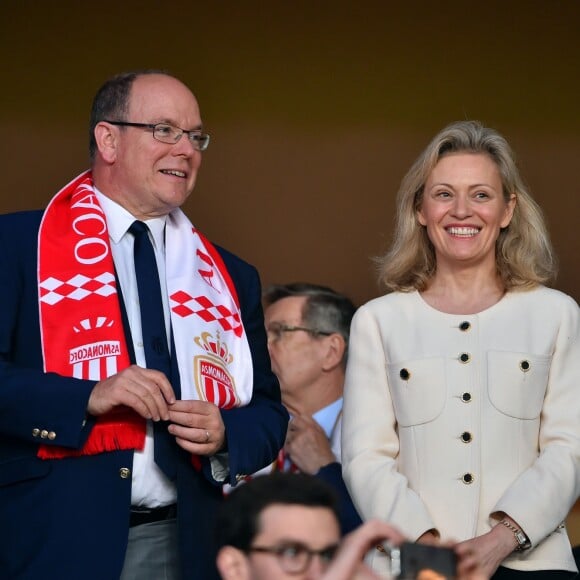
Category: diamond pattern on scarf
<point>77,287</point>
<point>185,305</point>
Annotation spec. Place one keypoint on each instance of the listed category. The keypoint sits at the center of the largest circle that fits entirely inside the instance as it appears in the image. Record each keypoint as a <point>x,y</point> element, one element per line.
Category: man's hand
<point>348,562</point>
<point>197,427</point>
<point>307,445</point>
<point>146,391</point>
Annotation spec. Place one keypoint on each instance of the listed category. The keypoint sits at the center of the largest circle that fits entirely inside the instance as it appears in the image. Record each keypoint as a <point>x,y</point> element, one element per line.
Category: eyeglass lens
<point>170,134</point>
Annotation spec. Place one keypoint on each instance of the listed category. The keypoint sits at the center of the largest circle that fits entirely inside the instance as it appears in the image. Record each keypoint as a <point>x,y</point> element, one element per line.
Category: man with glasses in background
<point>308,328</point>
<point>134,372</point>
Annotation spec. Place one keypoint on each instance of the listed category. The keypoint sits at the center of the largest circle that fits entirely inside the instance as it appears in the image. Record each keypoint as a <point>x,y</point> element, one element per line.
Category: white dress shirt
<point>150,487</point>
<point>330,419</point>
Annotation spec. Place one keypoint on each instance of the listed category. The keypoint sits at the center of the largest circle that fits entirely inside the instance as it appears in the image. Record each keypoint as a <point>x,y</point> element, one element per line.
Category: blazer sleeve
<point>256,432</point>
<point>542,495</point>
<point>29,398</point>
<point>369,437</point>
<point>332,475</point>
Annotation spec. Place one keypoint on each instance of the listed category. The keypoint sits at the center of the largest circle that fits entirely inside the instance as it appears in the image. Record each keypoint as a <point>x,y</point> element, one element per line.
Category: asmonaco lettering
<point>95,350</point>
<point>216,373</point>
<point>79,223</point>
<point>88,225</point>
<point>91,246</point>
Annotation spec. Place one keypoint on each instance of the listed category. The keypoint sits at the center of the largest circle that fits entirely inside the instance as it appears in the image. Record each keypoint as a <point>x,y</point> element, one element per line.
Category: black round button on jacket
<point>466,437</point>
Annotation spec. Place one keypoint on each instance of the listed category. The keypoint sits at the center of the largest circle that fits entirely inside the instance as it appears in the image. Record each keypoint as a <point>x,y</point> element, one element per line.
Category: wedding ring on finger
<point>207,436</point>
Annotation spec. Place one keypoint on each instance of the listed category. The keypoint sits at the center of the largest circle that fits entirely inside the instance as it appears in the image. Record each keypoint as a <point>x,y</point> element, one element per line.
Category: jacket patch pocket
<point>417,389</point>
<point>517,382</point>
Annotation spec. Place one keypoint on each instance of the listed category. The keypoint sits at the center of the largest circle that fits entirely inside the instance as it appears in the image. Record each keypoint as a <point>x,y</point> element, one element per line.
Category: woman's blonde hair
<point>524,254</point>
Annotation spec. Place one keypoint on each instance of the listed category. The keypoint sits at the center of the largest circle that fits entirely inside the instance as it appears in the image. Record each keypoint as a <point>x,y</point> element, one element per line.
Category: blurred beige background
<point>316,110</point>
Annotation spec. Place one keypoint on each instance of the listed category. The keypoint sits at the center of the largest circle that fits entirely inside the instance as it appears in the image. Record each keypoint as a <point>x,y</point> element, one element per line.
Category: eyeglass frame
<point>325,554</point>
<point>197,138</point>
<point>282,328</point>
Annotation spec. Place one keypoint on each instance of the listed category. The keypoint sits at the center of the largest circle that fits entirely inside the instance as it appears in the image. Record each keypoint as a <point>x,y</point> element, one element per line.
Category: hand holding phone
<point>413,561</point>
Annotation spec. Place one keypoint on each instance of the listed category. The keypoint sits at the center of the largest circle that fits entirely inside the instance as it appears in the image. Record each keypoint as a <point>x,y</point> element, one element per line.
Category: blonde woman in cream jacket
<point>462,395</point>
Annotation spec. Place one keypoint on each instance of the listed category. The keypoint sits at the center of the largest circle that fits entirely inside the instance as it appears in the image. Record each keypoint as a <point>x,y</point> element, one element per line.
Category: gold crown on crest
<point>214,346</point>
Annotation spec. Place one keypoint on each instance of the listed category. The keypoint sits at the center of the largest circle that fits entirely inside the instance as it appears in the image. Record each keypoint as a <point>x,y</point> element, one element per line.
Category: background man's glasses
<point>276,330</point>
<point>295,558</point>
<point>169,134</point>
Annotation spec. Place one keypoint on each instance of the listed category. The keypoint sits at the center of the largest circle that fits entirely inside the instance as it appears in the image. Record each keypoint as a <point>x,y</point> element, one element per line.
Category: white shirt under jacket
<point>446,423</point>
<point>150,487</point>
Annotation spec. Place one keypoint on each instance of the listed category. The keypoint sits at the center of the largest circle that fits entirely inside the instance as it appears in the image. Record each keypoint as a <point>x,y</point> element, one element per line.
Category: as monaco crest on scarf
<point>213,380</point>
<point>206,319</point>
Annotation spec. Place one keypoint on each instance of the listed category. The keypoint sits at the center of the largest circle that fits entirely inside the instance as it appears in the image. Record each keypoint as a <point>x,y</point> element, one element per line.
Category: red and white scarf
<point>80,317</point>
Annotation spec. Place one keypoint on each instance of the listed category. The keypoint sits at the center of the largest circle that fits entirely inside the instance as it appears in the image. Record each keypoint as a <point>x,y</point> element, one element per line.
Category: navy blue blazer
<point>68,519</point>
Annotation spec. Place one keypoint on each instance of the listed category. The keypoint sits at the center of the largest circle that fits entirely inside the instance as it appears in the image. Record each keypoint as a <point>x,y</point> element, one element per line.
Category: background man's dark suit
<point>68,518</point>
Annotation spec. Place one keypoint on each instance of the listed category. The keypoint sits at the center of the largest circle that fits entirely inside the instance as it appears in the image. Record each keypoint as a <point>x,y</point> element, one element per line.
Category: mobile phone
<point>422,562</point>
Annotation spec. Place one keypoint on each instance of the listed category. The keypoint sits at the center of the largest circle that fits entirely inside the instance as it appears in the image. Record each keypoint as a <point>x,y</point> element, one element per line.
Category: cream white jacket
<point>450,418</point>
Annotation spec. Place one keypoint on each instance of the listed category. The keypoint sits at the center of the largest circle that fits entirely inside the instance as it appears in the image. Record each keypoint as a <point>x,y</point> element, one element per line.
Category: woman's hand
<point>490,549</point>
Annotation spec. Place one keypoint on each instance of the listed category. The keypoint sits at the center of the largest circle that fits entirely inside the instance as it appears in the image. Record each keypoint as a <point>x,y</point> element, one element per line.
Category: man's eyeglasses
<point>276,330</point>
<point>295,558</point>
<point>167,133</point>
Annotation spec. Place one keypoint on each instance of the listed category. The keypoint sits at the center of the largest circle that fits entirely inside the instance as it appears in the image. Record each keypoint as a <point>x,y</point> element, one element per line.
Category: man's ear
<point>232,564</point>
<point>107,139</point>
<point>335,347</point>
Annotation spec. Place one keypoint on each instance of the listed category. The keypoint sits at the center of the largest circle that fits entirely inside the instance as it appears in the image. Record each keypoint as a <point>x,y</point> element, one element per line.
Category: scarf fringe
<point>122,434</point>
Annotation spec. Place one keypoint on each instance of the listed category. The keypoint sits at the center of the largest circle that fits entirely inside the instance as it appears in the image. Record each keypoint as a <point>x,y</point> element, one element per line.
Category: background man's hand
<point>307,445</point>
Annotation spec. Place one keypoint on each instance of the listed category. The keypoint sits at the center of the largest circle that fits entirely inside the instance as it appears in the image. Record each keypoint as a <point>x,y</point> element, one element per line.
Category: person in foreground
<point>461,406</point>
<point>286,525</point>
<point>308,328</point>
<point>134,373</point>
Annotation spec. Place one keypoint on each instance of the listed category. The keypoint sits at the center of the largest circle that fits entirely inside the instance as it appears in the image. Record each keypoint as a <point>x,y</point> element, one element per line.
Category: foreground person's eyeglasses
<point>169,134</point>
<point>295,558</point>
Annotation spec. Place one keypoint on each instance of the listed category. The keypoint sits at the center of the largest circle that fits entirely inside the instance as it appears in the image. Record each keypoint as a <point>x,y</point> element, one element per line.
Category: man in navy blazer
<point>116,514</point>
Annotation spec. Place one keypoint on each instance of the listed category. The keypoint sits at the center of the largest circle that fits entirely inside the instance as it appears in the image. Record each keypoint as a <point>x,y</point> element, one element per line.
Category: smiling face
<point>147,177</point>
<point>464,208</point>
